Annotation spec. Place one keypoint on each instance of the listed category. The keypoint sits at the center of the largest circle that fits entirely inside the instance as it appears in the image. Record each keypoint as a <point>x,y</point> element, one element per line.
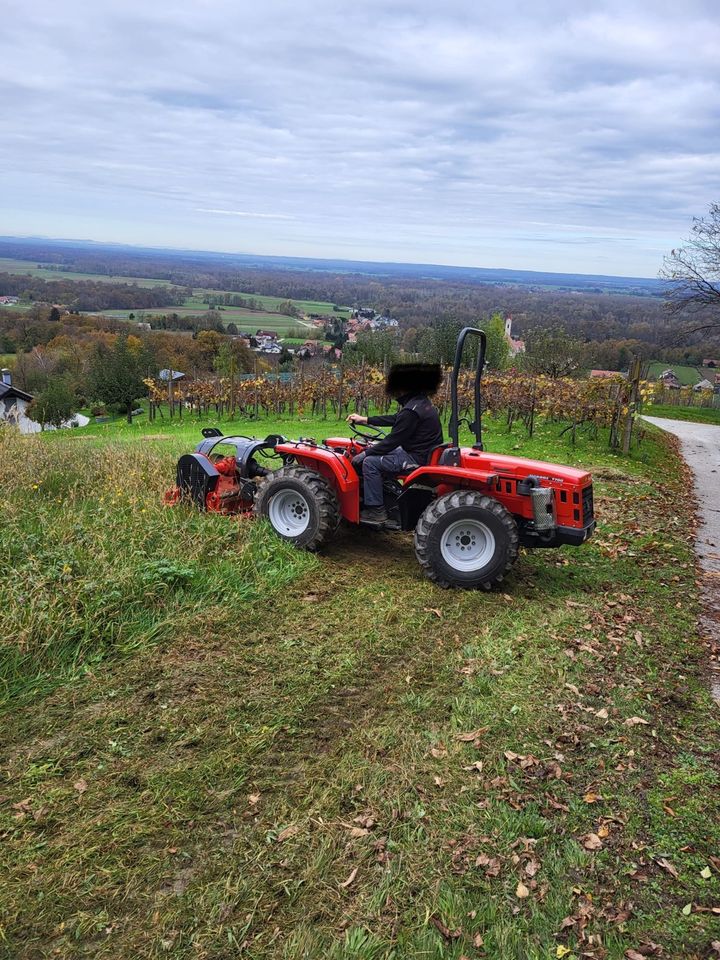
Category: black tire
<point>489,535</point>
<point>306,497</point>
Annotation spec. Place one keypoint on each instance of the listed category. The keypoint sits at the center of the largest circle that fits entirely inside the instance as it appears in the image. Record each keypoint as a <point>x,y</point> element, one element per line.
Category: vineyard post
<point>632,395</point>
<point>340,390</point>
<point>531,425</point>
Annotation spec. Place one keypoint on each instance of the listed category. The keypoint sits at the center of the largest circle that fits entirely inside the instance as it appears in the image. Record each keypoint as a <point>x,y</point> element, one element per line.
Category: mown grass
<point>280,774</point>
<point>696,414</point>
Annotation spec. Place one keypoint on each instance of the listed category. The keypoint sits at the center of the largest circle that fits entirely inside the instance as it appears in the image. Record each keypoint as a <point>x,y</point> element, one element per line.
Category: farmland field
<point>216,746</point>
<point>47,273</point>
<point>191,306</point>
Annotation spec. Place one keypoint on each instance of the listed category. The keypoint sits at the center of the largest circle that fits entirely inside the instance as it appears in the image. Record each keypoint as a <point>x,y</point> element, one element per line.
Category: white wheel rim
<point>289,513</point>
<point>467,545</point>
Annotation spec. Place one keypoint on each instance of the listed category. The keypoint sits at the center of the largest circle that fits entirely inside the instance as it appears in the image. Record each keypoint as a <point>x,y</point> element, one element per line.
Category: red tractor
<point>470,510</point>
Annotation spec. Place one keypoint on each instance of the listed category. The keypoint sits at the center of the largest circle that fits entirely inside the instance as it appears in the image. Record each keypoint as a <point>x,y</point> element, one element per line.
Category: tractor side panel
<point>335,468</point>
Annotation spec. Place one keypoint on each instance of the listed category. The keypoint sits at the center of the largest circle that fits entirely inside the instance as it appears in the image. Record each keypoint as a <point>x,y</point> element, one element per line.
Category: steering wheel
<point>372,434</point>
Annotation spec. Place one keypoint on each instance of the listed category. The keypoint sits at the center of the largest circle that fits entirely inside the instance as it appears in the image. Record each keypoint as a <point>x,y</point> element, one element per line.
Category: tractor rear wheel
<point>301,506</point>
<point>466,539</point>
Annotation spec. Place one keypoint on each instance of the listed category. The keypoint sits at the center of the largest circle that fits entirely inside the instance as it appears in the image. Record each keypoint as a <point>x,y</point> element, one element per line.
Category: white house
<point>13,408</point>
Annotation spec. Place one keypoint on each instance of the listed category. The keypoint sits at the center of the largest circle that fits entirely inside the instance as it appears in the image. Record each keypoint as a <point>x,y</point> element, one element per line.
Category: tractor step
<point>381,524</point>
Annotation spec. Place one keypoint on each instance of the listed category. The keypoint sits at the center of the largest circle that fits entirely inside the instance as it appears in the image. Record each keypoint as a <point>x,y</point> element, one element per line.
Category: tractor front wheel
<point>300,505</point>
<point>466,539</point>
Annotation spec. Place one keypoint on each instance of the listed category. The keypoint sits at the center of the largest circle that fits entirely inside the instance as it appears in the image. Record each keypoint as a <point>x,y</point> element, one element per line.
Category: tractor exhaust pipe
<point>476,425</point>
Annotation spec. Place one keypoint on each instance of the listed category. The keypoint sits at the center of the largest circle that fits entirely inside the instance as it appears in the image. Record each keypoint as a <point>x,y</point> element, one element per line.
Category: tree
<point>550,351</point>
<point>497,354</point>
<point>55,404</point>
<point>693,272</point>
<point>117,373</point>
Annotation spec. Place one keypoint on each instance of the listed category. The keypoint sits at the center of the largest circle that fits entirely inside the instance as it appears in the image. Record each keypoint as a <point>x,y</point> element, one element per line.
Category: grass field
<point>697,414</point>
<point>192,305</point>
<point>47,273</point>
<point>214,746</point>
<point>688,376</point>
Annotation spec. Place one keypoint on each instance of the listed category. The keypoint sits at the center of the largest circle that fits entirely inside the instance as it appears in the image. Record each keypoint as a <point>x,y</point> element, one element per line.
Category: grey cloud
<point>406,133</point>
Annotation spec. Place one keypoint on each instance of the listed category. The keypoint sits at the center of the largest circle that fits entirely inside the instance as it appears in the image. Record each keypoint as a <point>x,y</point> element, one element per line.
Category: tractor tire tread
<point>437,510</point>
<point>323,494</point>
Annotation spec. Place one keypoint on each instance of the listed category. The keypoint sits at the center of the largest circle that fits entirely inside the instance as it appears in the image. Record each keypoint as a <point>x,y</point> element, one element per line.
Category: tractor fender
<point>335,467</point>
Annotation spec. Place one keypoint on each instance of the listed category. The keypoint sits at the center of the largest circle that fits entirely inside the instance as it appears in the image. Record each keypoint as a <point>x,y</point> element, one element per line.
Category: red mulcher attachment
<point>222,474</point>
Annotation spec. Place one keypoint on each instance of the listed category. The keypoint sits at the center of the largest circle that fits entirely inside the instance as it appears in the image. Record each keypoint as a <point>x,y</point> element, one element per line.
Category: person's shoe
<point>373,515</point>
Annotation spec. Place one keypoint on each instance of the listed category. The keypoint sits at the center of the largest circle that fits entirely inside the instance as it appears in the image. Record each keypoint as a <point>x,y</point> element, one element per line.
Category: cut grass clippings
<point>349,762</point>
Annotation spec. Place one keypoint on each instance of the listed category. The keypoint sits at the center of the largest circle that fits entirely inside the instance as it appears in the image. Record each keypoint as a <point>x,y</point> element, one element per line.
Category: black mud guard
<point>196,478</point>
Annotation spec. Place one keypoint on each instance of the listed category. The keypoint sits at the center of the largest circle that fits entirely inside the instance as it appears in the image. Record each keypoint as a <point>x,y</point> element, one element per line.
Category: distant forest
<point>616,317</point>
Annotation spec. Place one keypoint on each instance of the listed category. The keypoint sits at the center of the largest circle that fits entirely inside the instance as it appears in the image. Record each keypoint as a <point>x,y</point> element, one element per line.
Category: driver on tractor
<point>416,430</point>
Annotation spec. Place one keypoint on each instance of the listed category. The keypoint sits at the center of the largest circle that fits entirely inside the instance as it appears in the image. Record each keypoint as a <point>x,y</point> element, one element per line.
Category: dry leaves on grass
<point>473,736</point>
<point>81,786</point>
<point>491,865</point>
<point>666,865</point>
<point>635,722</point>
<point>346,883</point>
<point>288,832</point>
<point>591,841</point>
<point>444,930</point>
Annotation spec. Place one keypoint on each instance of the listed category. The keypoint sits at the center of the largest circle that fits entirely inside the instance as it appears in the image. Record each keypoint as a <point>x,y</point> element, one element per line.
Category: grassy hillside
<point>688,376</point>
<point>214,746</point>
<point>696,414</point>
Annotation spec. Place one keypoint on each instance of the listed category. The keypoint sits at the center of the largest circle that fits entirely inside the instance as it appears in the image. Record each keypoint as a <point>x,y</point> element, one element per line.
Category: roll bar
<point>476,425</point>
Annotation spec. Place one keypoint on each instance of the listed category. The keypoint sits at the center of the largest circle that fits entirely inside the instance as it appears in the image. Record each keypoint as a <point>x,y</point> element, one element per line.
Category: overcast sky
<point>540,135</point>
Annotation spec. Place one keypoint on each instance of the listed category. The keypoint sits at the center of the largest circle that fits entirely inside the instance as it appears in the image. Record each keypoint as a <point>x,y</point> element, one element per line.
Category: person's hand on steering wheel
<point>356,418</point>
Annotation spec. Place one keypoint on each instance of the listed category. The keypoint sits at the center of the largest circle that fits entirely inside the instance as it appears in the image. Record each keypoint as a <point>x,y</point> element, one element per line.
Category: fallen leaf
<point>478,941</point>
<point>666,865</point>
<point>715,945</point>
<point>80,786</point>
<point>254,799</point>
<point>591,841</point>
<point>687,909</point>
<point>635,721</point>
<point>531,868</point>
<point>477,766</point>
<point>438,613</point>
<point>439,751</point>
<point>601,714</point>
<point>522,891</point>
<point>472,735</point>
<point>353,874</point>
<point>491,865</point>
<point>445,931</point>
<point>287,833</point>
<point>591,797</point>
<point>562,951</point>
<point>356,832</point>
<point>706,873</point>
<point>634,955</point>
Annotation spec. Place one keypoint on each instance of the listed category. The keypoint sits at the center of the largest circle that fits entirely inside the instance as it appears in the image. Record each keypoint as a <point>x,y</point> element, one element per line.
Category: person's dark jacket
<point>416,428</point>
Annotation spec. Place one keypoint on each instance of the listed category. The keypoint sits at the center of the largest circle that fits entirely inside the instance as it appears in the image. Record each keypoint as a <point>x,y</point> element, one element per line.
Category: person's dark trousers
<point>375,469</point>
